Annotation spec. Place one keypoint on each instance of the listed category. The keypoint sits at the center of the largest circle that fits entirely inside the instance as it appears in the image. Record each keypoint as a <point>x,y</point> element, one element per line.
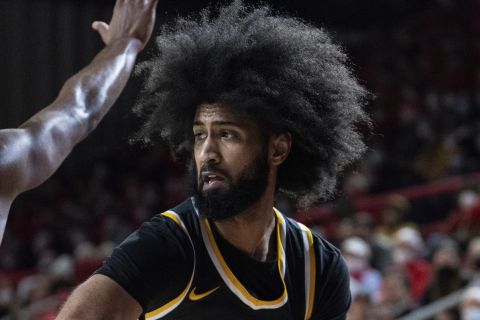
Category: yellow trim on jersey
<point>281,232</point>
<point>231,280</point>
<point>312,275</point>
<point>166,308</point>
<point>310,270</point>
<point>172,215</point>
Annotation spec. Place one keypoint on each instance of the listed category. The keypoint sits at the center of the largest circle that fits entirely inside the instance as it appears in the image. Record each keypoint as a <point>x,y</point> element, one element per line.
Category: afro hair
<point>284,73</point>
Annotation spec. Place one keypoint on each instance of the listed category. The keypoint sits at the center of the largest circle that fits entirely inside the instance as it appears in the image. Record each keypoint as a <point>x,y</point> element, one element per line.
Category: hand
<point>130,19</point>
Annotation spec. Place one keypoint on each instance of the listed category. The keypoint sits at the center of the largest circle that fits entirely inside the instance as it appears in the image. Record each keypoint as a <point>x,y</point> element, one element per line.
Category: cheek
<point>237,159</point>
<point>241,152</point>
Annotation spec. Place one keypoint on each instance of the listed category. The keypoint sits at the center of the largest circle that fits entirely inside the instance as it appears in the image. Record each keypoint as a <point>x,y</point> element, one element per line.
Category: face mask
<point>402,256</point>
<point>471,314</point>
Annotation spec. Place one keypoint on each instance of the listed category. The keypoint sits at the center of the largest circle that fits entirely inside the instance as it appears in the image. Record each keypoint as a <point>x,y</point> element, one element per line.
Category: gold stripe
<point>234,279</point>
<point>165,308</point>
<point>311,294</point>
<point>281,252</point>
<point>172,216</point>
<point>168,305</point>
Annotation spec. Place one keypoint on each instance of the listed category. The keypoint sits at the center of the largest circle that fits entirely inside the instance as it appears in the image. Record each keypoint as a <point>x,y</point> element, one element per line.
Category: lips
<point>211,179</point>
<point>210,176</point>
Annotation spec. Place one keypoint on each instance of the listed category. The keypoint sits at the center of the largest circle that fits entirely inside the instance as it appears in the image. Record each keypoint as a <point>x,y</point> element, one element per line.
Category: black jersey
<point>177,267</point>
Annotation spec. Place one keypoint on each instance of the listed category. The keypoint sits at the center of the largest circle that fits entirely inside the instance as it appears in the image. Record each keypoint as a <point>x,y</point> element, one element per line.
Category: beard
<point>223,203</point>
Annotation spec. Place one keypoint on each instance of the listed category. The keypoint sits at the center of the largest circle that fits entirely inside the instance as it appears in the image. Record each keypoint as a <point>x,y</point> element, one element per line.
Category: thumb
<point>102,28</point>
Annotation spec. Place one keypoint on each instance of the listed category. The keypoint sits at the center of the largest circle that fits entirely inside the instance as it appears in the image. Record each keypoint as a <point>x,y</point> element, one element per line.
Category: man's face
<point>231,169</point>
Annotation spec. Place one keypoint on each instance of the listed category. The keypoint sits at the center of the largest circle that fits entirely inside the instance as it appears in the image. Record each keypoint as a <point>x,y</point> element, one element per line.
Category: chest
<point>224,289</point>
<point>210,296</point>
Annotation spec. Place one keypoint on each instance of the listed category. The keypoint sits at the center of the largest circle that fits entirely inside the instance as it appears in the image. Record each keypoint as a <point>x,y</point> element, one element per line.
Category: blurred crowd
<point>397,267</point>
<point>425,76</point>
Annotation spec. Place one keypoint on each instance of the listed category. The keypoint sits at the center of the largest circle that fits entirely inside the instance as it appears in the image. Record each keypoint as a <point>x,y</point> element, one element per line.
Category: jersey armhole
<point>174,303</point>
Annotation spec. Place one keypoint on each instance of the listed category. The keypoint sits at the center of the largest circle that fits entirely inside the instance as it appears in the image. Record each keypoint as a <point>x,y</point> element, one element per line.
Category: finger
<point>102,28</point>
<point>99,26</point>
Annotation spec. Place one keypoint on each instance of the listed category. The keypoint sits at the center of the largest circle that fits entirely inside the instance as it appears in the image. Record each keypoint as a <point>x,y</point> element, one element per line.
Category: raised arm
<point>31,153</point>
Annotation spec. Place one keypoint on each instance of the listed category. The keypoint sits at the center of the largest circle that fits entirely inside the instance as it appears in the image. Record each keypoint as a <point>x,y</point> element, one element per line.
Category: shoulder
<point>165,226</point>
<point>332,296</point>
<point>154,261</point>
<point>326,253</point>
<point>163,234</point>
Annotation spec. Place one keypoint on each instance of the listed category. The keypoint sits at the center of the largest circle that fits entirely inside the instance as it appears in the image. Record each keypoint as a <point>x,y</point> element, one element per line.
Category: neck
<point>251,230</point>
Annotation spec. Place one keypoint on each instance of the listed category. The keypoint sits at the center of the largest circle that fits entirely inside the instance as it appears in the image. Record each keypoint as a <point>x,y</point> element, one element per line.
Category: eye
<point>228,134</point>
<point>199,136</point>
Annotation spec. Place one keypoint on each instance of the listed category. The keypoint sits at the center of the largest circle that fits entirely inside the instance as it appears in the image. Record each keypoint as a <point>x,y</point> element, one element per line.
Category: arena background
<point>419,58</point>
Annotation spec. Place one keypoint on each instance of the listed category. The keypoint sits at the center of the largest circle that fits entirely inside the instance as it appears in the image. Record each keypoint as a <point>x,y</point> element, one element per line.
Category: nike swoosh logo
<point>198,296</point>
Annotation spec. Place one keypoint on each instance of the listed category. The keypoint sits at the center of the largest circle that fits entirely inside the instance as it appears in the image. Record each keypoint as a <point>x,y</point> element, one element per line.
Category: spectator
<point>447,277</point>
<point>364,280</point>
<point>361,308</point>
<point>363,227</point>
<point>407,253</point>
<point>472,260</point>
<point>470,304</point>
<point>395,299</point>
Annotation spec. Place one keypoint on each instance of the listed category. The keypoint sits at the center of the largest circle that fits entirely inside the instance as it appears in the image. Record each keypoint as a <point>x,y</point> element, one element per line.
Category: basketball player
<point>257,104</point>
<point>31,153</point>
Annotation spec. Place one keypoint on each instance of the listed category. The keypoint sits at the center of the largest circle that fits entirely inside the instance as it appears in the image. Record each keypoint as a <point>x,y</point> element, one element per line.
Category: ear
<point>279,148</point>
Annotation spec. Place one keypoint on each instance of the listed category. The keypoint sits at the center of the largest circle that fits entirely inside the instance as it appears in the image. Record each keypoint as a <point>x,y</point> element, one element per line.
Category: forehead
<point>219,114</point>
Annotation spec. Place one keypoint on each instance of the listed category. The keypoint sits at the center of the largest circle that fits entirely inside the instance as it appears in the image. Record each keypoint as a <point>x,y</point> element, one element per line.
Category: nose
<point>208,152</point>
